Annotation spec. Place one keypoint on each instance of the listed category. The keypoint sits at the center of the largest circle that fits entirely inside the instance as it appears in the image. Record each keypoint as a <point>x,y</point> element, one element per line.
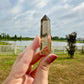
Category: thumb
<point>41,76</point>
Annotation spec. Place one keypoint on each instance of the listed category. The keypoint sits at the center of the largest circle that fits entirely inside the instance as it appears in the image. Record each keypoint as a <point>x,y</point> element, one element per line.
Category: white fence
<point>15,50</point>
<point>11,49</point>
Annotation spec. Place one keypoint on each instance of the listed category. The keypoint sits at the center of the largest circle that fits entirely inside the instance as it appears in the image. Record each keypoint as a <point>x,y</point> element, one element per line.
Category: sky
<point>22,17</point>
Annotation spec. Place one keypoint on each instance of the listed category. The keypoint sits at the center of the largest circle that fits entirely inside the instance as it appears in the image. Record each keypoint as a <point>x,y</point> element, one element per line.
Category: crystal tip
<point>45,18</point>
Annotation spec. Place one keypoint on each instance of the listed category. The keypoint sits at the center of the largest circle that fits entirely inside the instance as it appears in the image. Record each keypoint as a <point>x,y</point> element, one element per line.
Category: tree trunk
<point>71,56</point>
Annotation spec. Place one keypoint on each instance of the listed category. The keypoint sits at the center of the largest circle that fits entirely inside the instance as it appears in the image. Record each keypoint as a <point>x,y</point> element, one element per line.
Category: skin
<point>21,71</point>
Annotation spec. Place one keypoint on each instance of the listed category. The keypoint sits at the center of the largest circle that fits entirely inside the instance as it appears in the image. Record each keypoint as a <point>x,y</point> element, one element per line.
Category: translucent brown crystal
<point>45,35</point>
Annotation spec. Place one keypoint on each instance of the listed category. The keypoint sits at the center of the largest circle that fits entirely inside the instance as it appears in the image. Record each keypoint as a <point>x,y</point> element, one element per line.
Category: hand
<point>21,71</point>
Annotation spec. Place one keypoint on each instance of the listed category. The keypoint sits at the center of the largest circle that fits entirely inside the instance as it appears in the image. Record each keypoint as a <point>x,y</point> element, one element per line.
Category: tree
<point>20,37</point>
<point>4,35</point>
<point>55,38</point>
<point>71,39</point>
<point>15,37</point>
<point>8,36</point>
<point>1,36</point>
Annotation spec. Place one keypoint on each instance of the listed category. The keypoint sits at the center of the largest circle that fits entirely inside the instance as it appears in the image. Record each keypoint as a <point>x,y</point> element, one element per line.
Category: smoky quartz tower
<point>45,35</point>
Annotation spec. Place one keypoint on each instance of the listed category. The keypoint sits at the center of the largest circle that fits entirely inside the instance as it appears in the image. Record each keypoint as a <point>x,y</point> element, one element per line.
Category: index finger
<point>21,66</point>
<point>30,51</point>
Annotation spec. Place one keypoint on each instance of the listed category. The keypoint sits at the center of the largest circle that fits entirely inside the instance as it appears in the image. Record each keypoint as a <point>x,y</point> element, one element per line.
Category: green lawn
<point>3,43</point>
<point>62,71</point>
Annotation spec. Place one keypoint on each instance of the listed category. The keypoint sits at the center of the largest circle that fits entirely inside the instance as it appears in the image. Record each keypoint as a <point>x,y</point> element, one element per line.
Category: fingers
<point>30,51</point>
<point>41,76</point>
<point>35,58</point>
<point>35,44</point>
<point>27,80</point>
<point>33,73</point>
<point>43,53</point>
<point>29,70</point>
<point>33,47</point>
<point>22,66</point>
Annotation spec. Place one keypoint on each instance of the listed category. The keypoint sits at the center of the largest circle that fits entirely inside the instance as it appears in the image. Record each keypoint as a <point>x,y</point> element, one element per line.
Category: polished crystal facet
<point>45,35</point>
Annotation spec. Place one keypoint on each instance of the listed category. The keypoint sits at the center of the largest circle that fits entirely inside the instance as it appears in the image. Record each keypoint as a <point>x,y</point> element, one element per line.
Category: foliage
<point>71,39</point>
<point>4,36</point>
<point>58,38</point>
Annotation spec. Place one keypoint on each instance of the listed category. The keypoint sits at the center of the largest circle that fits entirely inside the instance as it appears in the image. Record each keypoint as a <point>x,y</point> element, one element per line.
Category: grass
<point>66,41</point>
<point>6,63</point>
<point>80,41</point>
<point>3,43</point>
<point>62,71</point>
<point>67,71</point>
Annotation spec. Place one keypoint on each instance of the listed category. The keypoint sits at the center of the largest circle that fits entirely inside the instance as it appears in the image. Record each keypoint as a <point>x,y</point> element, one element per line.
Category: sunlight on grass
<point>62,71</point>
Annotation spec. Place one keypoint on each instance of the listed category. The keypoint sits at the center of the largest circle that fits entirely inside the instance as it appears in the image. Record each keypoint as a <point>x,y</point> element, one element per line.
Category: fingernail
<point>51,58</point>
<point>46,47</point>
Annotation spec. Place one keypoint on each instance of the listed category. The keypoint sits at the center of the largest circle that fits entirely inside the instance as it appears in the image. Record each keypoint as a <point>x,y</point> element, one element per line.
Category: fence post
<point>64,49</point>
<point>15,49</point>
<point>82,48</point>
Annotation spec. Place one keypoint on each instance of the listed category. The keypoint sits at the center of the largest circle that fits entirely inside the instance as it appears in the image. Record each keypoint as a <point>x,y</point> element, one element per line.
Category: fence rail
<point>15,49</point>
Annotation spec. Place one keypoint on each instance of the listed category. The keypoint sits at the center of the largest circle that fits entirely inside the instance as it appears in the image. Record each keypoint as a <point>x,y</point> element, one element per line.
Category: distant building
<point>80,39</point>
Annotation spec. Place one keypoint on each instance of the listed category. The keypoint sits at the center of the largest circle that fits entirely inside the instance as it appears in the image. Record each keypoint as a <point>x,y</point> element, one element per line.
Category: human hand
<point>21,71</point>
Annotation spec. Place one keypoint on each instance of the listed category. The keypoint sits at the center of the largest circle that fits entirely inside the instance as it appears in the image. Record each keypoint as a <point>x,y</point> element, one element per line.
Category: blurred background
<point>20,22</point>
